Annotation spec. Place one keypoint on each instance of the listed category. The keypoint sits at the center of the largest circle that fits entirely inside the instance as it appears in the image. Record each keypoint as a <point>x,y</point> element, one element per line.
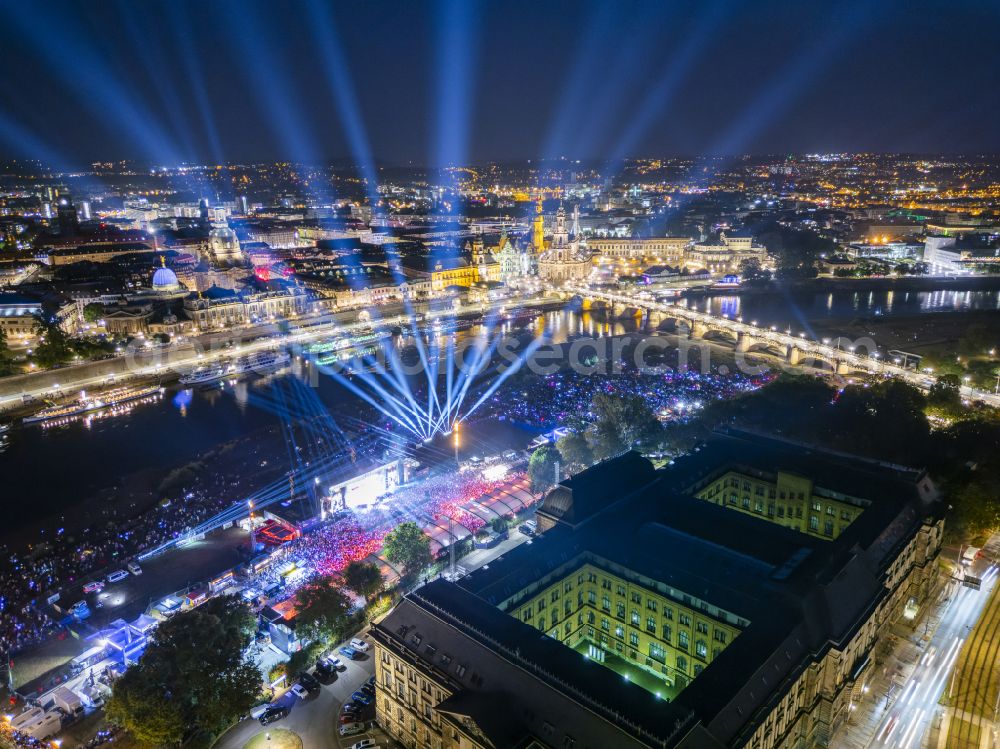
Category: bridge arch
<point>766,346</point>
<point>719,333</point>
<point>818,361</point>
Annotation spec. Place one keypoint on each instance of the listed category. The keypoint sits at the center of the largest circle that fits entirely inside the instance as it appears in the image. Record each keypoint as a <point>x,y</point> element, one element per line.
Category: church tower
<point>538,228</point>
<point>478,251</point>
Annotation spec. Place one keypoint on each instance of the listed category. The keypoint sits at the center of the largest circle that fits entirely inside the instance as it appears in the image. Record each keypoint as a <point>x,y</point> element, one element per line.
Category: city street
<point>901,707</point>
<point>209,347</point>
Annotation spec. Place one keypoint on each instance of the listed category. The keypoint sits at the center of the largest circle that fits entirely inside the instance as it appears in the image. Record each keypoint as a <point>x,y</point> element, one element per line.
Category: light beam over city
<point>616,374</point>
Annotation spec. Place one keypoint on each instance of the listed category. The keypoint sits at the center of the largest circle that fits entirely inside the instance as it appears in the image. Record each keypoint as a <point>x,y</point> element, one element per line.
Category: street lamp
<point>253,531</point>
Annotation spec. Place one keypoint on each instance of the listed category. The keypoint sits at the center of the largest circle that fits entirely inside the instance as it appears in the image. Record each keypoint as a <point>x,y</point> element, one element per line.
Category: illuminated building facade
<point>724,255</point>
<point>514,263</point>
<point>224,247</point>
<point>98,252</point>
<point>656,610</point>
<point>669,250</point>
<point>19,316</point>
<point>216,309</point>
<point>565,258</point>
<point>486,265</point>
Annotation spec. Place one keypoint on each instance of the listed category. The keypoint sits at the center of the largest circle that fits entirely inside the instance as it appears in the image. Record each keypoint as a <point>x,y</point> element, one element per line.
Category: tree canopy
<point>408,546</point>
<point>364,578</point>
<point>323,609</point>
<point>575,450</point>
<point>54,347</point>
<point>193,677</point>
<point>796,250</point>
<point>93,312</point>
<point>542,468</point>
<point>620,423</point>
<point>6,355</point>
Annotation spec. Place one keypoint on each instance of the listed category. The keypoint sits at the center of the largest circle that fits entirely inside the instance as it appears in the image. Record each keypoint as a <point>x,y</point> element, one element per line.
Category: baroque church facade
<point>563,257</point>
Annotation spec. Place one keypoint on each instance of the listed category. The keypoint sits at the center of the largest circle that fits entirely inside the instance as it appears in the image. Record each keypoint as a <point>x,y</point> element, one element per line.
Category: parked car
<point>134,568</point>
<point>351,729</point>
<point>358,644</point>
<point>335,662</point>
<point>307,680</point>
<point>300,691</point>
<point>525,530</point>
<point>370,680</point>
<point>324,668</point>
<point>273,713</point>
<point>95,586</point>
<point>349,718</point>
<point>347,652</point>
<point>352,707</point>
<point>117,576</point>
<point>361,697</point>
<point>256,712</point>
<point>364,744</point>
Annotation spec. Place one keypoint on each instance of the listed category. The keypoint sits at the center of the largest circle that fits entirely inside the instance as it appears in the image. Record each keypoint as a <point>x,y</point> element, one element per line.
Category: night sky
<point>449,82</point>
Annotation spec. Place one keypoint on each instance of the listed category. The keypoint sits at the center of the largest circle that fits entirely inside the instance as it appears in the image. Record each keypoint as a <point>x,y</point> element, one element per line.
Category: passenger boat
<point>205,374</point>
<point>261,361</point>
<point>85,404</point>
<point>349,341</point>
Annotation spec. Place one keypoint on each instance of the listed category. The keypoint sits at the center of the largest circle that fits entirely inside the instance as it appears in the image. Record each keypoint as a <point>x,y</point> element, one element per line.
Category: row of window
<point>656,653</point>
<point>683,619</point>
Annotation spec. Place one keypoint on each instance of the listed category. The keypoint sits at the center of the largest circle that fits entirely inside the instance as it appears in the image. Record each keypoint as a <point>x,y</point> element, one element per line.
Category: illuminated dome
<point>223,234</point>
<point>165,280</point>
<point>224,245</point>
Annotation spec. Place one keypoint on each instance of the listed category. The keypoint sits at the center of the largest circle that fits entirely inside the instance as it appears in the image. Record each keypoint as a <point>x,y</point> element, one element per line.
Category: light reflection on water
<point>189,422</point>
<point>776,308</point>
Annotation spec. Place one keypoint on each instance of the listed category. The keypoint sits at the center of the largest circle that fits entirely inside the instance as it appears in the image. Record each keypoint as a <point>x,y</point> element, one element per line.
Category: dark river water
<point>790,307</point>
<point>47,470</point>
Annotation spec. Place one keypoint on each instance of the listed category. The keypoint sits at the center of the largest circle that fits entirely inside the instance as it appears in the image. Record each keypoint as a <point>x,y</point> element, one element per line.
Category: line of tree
<point>888,420</point>
<point>6,355</point>
<point>796,250</point>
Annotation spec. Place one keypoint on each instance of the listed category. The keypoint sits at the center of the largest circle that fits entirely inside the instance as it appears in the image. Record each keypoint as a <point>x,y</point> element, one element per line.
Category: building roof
<point>791,595</point>
<point>101,247</point>
<point>480,649</point>
<point>583,494</point>
<point>14,298</point>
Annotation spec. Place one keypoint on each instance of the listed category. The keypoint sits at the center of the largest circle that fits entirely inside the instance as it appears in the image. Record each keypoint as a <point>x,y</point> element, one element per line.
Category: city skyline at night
<point>499,374</point>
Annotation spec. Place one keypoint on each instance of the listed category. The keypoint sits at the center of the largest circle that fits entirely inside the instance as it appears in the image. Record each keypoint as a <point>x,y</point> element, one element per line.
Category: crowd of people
<point>430,502</point>
<point>559,398</point>
<point>118,532</point>
<point>324,551</point>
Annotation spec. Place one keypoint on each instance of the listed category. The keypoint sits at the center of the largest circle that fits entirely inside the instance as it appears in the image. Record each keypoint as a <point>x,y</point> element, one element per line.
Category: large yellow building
<point>785,499</point>
<point>669,250</point>
<point>734,599</point>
